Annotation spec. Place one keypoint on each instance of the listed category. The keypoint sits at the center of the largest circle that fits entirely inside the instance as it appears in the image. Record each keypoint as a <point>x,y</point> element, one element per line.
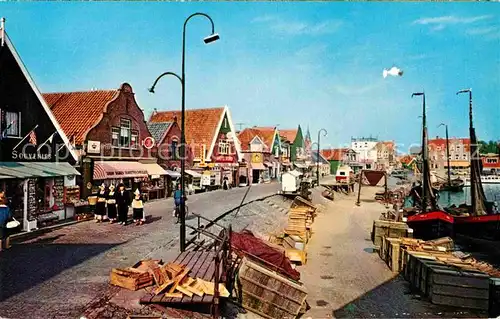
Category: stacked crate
<point>268,293</point>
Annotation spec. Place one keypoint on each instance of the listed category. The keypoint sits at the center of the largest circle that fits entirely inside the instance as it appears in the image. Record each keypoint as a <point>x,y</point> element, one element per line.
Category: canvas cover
<point>250,245</point>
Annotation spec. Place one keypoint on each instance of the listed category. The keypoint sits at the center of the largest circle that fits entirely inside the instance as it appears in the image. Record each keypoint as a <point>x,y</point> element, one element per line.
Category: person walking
<point>122,203</point>
<point>111,204</point>
<point>5,215</point>
<point>100,207</point>
<point>138,208</point>
<point>178,198</point>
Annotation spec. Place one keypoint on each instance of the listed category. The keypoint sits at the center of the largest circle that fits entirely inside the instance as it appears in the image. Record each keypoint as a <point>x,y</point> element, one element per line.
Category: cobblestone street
<point>70,266</point>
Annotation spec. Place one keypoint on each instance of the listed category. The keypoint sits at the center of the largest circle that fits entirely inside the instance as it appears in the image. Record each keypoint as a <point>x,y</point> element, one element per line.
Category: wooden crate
<point>268,293</point>
<point>129,279</point>
<point>464,289</point>
<point>297,255</point>
<point>393,254</point>
<point>387,228</point>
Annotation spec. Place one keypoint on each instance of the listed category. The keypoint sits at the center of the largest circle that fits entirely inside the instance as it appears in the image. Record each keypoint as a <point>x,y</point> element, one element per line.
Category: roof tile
<point>289,135</point>
<point>88,106</point>
<point>158,129</point>
<point>266,134</point>
<point>201,124</point>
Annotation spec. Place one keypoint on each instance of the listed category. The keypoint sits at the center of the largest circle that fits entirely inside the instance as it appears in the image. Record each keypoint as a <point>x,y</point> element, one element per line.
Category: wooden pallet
<point>201,265</point>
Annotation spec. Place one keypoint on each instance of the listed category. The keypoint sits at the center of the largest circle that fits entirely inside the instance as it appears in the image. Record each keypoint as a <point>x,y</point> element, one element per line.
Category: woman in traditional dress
<point>111,203</point>
<point>100,207</point>
<point>138,208</point>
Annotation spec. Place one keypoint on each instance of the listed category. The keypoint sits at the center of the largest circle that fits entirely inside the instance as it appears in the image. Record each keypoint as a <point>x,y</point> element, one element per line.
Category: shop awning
<point>193,173</point>
<point>258,166</point>
<point>124,169</point>
<point>268,164</point>
<point>154,169</point>
<point>173,173</point>
<point>286,164</point>
<point>300,165</point>
<point>36,169</point>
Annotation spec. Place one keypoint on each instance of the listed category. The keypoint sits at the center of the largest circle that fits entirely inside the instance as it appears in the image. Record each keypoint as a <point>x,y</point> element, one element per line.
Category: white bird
<point>394,71</point>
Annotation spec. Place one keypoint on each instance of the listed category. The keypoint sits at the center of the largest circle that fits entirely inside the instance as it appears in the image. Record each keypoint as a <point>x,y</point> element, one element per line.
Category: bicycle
<point>177,212</point>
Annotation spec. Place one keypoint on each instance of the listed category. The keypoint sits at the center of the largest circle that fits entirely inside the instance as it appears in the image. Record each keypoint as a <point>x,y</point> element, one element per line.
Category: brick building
<point>114,143</point>
<point>459,153</point>
<point>211,138</point>
<point>386,155</point>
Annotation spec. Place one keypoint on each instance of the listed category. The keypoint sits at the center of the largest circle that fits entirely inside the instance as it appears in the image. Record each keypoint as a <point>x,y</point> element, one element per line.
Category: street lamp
<point>211,38</point>
<point>424,153</point>
<point>318,155</point>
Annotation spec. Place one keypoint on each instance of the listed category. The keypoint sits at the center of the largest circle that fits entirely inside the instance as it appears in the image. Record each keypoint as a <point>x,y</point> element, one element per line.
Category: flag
<point>32,139</point>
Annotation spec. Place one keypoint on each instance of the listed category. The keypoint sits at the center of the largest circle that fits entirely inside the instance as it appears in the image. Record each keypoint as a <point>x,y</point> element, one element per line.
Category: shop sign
<point>148,142</point>
<point>205,179</point>
<point>256,158</point>
<point>35,156</point>
<point>93,147</point>
<point>224,159</point>
<point>243,165</point>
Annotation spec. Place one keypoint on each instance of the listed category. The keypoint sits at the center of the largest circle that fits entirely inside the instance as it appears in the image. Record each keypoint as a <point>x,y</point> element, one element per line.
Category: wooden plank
<point>202,273</point>
<point>197,255</point>
<point>182,258</point>
<point>203,264</point>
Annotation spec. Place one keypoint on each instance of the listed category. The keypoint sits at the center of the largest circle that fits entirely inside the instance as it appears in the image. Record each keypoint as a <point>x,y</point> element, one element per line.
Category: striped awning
<point>173,173</point>
<point>193,173</point>
<point>122,169</point>
<point>154,169</point>
<point>258,166</point>
<point>36,169</point>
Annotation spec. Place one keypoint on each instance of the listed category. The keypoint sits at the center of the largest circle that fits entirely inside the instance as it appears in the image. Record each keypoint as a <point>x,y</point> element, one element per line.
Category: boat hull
<point>431,225</point>
<point>485,227</point>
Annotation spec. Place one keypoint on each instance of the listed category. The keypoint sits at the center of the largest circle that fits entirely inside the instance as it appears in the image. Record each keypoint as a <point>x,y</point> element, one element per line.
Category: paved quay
<point>345,277</point>
<point>63,272</point>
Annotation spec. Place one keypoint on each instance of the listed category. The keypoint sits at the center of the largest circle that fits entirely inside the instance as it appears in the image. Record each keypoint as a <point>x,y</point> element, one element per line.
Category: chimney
<point>2,25</point>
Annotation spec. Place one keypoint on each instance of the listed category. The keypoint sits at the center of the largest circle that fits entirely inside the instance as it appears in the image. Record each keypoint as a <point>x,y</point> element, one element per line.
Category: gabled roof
<point>38,94</point>
<point>322,160</point>
<point>289,135</point>
<point>266,135</point>
<point>441,142</point>
<point>334,154</point>
<point>158,130</point>
<point>202,125</point>
<point>78,112</point>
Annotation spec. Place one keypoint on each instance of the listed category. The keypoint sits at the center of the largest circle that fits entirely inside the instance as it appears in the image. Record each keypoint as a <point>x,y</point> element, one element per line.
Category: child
<point>138,208</point>
<point>111,203</point>
<point>100,207</point>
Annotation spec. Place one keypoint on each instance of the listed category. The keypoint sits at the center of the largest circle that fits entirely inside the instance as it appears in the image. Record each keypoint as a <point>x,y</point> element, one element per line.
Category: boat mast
<point>448,155</point>
<point>425,180</point>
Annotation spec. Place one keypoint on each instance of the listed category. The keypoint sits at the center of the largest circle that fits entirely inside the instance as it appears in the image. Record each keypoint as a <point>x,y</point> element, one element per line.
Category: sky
<point>317,64</point>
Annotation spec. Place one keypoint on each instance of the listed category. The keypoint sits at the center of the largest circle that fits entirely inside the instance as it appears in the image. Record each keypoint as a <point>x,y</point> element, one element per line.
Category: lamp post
<point>211,38</point>
<point>424,153</point>
<point>317,155</point>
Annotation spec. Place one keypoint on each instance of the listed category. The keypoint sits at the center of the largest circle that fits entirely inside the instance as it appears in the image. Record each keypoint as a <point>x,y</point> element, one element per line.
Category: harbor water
<point>446,199</point>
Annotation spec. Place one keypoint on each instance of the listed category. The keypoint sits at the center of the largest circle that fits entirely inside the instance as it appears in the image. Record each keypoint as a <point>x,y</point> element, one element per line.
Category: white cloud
<point>439,23</point>
<point>481,31</point>
<point>284,27</point>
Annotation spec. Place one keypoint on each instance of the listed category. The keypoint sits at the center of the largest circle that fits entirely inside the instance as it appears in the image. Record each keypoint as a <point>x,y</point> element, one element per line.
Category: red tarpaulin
<point>249,244</point>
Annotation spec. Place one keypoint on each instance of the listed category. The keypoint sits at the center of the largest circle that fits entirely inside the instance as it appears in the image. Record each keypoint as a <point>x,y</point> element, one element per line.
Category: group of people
<point>114,205</point>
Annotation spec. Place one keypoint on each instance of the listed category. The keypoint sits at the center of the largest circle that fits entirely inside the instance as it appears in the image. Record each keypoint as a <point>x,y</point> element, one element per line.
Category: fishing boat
<point>426,219</point>
<point>485,179</point>
<point>476,220</point>
<point>450,185</point>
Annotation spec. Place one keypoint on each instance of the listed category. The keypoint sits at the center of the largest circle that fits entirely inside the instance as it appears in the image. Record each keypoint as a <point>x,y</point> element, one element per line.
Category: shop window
<point>11,121</point>
<point>464,156</point>
<point>134,139</point>
<point>115,136</point>
<point>457,156</point>
<point>224,148</point>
